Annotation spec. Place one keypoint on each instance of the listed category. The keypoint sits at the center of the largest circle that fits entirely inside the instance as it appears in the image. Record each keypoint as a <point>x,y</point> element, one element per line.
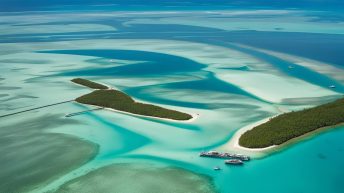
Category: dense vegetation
<point>88,83</point>
<point>120,101</point>
<point>290,125</point>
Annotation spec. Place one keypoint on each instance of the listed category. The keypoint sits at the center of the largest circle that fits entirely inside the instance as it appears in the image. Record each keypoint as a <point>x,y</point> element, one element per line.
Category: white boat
<point>216,154</point>
<point>234,162</point>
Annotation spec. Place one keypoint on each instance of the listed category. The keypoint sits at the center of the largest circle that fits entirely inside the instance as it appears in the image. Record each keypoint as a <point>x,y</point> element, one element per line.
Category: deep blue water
<point>297,71</point>
<point>141,93</point>
<point>20,5</point>
<point>152,63</point>
<point>323,47</point>
<point>211,83</point>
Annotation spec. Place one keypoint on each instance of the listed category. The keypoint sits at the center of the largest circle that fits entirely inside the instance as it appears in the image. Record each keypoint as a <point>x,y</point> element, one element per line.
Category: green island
<point>290,125</point>
<point>120,101</point>
<point>88,83</point>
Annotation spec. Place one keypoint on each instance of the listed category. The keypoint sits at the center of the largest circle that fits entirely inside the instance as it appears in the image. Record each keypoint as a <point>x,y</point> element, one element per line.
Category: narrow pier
<point>82,112</point>
<point>27,110</point>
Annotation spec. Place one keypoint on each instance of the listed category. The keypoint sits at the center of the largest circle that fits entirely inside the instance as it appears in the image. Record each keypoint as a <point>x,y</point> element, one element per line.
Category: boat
<point>234,162</point>
<point>291,67</point>
<point>209,154</point>
<point>332,86</point>
<point>242,157</point>
<point>217,168</point>
<point>216,154</point>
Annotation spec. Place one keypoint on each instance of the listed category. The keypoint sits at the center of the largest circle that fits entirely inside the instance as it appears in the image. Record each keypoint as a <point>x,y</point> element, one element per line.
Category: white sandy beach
<point>233,144</point>
<point>194,115</point>
<point>109,87</point>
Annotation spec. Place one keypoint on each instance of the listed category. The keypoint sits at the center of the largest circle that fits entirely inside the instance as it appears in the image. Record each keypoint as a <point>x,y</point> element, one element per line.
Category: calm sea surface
<point>183,58</point>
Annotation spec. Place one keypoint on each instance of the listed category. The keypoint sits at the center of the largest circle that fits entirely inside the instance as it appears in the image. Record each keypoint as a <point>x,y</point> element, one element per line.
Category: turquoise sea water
<point>179,59</point>
<point>304,167</point>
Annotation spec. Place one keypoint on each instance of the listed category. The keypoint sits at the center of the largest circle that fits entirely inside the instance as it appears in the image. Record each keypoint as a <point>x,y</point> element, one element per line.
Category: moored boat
<point>234,162</point>
<point>216,154</point>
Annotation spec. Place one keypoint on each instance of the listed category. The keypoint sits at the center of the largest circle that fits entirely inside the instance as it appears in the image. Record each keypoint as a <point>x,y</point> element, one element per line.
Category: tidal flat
<point>138,177</point>
<point>32,157</point>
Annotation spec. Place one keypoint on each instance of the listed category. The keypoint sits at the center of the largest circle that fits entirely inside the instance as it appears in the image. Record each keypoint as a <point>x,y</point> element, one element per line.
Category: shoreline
<point>193,115</point>
<point>108,87</point>
<point>233,143</point>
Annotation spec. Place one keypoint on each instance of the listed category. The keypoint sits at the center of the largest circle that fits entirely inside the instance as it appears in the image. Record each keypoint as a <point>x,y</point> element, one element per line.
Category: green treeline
<point>120,101</point>
<point>294,124</point>
<point>88,83</point>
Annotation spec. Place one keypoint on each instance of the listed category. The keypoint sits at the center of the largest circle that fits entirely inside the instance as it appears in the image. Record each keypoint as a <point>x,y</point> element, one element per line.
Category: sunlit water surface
<point>230,73</point>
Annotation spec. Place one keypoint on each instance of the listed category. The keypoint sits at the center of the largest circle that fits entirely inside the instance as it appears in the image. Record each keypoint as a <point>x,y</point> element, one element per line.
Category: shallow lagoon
<point>200,75</point>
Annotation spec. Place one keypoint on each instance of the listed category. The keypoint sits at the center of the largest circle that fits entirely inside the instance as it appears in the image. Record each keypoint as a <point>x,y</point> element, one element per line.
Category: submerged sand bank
<point>143,178</point>
<point>29,147</point>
